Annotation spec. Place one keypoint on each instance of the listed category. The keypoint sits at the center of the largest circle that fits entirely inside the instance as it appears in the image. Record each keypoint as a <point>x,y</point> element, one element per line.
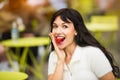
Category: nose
<point>58,30</point>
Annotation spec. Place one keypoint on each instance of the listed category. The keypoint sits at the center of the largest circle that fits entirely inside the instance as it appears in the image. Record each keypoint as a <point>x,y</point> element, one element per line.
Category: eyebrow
<point>63,23</point>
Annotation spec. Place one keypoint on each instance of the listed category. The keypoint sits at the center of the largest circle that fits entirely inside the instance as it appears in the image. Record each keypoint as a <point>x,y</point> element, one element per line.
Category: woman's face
<point>63,32</point>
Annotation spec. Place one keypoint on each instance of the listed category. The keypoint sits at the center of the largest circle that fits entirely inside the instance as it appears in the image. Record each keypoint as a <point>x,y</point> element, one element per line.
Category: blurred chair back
<point>7,75</point>
<point>103,23</point>
<point>104,27</point>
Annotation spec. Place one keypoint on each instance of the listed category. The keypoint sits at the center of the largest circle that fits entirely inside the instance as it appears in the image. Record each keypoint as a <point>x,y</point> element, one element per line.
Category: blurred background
<point>33,16</point>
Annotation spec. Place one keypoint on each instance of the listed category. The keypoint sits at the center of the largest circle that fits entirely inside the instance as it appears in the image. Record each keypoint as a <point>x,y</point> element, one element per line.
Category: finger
<point>53,41</point>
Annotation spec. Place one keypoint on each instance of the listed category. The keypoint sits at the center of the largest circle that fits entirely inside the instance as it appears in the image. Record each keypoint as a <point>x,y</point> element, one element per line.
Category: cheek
<point>70,33</point>
<point>70,36</point>
<point>54,30</point>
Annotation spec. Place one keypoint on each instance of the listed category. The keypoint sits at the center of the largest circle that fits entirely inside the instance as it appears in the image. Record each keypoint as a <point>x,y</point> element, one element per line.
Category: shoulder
<point>53,55</point>
<point>91,49</point>
<point>96,58</point>
<point>92,52</point>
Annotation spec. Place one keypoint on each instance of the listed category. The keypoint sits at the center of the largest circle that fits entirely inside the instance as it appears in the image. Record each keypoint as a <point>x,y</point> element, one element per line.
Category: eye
<point>65,26</point>
<point>54,26</point>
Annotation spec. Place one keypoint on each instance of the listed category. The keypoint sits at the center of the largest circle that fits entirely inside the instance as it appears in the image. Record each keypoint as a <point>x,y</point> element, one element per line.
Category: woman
<point>76,54</point>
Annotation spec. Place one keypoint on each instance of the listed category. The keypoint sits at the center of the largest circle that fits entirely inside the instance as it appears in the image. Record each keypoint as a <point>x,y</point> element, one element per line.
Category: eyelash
<point>64,26</point>
<point>54,26</point>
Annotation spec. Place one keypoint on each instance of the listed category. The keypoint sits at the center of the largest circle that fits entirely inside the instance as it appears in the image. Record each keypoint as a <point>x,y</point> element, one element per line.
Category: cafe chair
<point>11,75</point>
<point>104,28</point>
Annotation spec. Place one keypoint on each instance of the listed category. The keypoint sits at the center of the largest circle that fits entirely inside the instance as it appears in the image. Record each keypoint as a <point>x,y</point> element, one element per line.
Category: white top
<point>87,63</point>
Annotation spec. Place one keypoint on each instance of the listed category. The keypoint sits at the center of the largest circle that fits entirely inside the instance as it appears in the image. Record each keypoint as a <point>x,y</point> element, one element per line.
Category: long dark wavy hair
<point>83,37</point>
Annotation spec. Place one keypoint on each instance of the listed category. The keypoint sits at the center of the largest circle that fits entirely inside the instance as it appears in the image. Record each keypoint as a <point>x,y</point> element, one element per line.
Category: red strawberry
<point>59,39</point>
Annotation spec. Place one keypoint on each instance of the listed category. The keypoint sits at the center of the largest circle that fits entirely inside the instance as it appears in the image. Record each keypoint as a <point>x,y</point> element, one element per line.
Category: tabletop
<point>27,42</point>
<point>7,75</point>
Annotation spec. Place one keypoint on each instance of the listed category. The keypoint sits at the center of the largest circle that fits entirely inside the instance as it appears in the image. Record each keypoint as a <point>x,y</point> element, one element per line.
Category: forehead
<point>60,19</point>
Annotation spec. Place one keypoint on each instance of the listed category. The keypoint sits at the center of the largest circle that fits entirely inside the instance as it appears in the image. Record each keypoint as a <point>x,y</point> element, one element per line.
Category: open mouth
<point>59,39</point>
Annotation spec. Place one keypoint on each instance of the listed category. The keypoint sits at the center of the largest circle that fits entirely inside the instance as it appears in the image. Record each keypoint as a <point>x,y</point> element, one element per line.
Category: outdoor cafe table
<point>25,43</point>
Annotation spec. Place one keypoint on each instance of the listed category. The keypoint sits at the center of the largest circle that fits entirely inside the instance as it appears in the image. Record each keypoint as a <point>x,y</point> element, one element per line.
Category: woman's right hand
<point>60,52</point>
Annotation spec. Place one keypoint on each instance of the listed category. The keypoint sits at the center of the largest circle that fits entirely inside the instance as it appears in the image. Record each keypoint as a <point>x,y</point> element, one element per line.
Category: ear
<point>75,33</point>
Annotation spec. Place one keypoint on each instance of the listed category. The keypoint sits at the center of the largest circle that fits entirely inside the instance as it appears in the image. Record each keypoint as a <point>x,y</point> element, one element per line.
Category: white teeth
<point>59,37</point>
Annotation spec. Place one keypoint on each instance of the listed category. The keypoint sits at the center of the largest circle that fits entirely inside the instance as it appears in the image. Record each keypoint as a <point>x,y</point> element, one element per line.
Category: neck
<point>69,52</point>
<point>70,49</point>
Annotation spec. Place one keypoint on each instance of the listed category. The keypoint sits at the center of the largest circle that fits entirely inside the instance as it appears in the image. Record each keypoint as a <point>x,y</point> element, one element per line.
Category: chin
<point>61,47</point>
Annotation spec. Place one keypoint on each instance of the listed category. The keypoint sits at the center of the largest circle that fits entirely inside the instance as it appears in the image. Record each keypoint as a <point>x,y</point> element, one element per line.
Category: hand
<point>60,52</point>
